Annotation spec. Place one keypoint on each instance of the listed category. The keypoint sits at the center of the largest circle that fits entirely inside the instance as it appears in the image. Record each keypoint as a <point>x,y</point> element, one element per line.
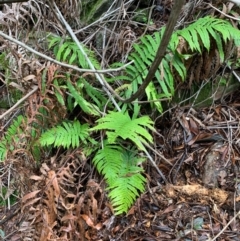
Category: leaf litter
<point>68,200</point>
<point>65,198</point>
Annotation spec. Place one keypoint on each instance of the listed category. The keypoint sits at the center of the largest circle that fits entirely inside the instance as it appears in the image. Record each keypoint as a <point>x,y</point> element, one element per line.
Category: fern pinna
<point>198,36</point>
<point>68,134</point>
<point>122,173</point>
<point>11,137</point>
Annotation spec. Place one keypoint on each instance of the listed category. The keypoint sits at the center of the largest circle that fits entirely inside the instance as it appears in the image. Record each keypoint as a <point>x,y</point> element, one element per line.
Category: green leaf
<point>58,93</point>
<point>61,50</point>
<point>198,223</point>
<point>86,106</point>
<point>67,135</point>
<point>121,125</point>
<point>122,174</point>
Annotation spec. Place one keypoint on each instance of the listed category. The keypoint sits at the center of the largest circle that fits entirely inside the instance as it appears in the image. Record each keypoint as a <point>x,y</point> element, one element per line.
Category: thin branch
<point>155,165</point>
<point>225,227</point>
<point>158,154</point>
<point>58,62</point>
<point>223,12</point>
<point>99,77</point>
<point>19,102</point>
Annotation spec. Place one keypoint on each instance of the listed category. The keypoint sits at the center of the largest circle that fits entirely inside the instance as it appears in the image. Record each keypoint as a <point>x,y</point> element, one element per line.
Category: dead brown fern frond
<point>61,204</point>
<point>71,10</point>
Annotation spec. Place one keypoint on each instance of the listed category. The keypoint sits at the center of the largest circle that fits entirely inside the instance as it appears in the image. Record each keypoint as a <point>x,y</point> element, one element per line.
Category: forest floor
<point>200,202</point>
<point>196,149</point>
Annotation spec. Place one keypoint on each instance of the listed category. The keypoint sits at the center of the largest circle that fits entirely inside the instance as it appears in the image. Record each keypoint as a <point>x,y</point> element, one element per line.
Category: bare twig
<point>224,227</point>
<point>223,12</point>
<point>19,102</point>
<point>155,165</point>
<point>99,77</point>
<point>58,62</point>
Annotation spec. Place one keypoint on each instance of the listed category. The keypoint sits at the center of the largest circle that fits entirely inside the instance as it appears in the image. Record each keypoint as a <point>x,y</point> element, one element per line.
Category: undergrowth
<point>119,166</point>
<point>199,37</point>
<point>11,137</point>
<point>119,155</point>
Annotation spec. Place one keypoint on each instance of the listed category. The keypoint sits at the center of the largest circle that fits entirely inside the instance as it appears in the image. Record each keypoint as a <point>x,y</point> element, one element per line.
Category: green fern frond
<point>68,51</point>
<point>86,106</point>
<point>11,134</point>
<point>66,135</point>
<point>122,174</point>
<point>198,36</point>
<point>121,125</point>
<point>203,29</point>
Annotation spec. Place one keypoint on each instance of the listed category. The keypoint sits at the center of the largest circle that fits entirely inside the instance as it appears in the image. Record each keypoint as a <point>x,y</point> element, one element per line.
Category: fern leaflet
<point>86,106</point>
<point>10,135</point>
<point>66,135</point>
<point>121,125</point>
<point>122,174</point>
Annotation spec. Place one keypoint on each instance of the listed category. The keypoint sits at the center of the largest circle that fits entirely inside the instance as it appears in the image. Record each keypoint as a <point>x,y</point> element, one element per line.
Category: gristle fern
<point>119,166</point>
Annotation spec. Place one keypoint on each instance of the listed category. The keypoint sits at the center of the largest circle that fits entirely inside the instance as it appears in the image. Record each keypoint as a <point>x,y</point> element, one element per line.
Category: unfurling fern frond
<point>121,125</point>
<point>122,174</point>
<point>66,135</point>
<point>11,135</point>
